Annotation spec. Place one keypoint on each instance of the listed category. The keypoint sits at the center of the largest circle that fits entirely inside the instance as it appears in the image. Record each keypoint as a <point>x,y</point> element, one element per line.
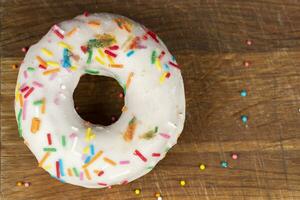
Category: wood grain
<point>208,40</point>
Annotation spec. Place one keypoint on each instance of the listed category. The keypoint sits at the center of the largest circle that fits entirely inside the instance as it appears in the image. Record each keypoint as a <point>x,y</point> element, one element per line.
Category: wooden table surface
<point>208,39</point>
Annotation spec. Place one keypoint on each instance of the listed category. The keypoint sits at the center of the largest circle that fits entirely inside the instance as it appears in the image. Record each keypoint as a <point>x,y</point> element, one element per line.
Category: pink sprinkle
<point>124,182</point>
<point>73,135</point>
<point>24,110</point>
<point>102,184</point>
<point>165,135</point>
<point>115,47</point>
<point>173,64</point>
<point>155,154</point>
<point>139,154</point>
<point>153,36</point>
<point>124,162</point>
<point>25,74</point>
<point>81,176</point>
<point>161,55</point>
<point>28,92</point>
<point>24,88</point>
<point>37,84</point>
<point>110,53</point>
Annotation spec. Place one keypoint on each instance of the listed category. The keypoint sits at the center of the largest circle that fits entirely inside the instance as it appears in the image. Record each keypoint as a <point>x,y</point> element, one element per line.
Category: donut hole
<point>98,99</point>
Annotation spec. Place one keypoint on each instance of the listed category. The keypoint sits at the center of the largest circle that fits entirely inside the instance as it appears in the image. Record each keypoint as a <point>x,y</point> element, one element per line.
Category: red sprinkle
<point>42,66</point>
<point>24,89</point>
<point>136,152</point>
<point>102,184</point>
<point>153,36</point>
<point>86,13</point>
<point>58,34</point>
<point>168,75</point>
<point>161,55</point>
<point>49,138</point>
<point>173,64</point>
<point>57,169</point>
<point>84,49</point>
<point>115,47</point>
<point>24,49</point>
<point>110,53</point>
<point>28,92</point>
<point>100,173</point>
<point>247,63</point>
<point>155,154</point>
<point>124,182</point>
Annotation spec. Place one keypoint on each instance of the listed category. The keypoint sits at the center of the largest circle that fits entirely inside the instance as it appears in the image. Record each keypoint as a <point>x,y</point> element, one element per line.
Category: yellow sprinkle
<point>129,79</point>
<point>89,135</point>
<point>111,61</point>
<point>44,159</point>
<point>158,64</point>
<point>47,52</point>
<point>64,45</point>
<point>163,77</point>
<point>87,174</point>
<point>102,55</point>
<point>21,99</point>
<point>51,71</point>
<point>86,149</point>
<point>202,167</point>
<point>98,154</point>
<point>53,63</point>
<point>43,107</point>
<point>70,172</point>
<point>69,34</point>
<point>73,68</point>
<point>137,191</point>
<point>182,183</point>
<point>109,161</point>
<point>47,167</point>
<point>99,60</point>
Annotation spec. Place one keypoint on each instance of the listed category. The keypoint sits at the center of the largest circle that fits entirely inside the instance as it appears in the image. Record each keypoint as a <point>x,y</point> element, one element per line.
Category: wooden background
<point>208,39</point>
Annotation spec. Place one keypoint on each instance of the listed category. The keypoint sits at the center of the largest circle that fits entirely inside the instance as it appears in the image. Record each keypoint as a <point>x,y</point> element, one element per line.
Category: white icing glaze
<point>151,101</point>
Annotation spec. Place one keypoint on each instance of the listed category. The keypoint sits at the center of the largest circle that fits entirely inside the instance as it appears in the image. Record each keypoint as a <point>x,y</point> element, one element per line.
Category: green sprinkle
<point>148,135</point>
<point>75,171</point>
<point>153,57</point>
<point>63,140</point>
<point>90,56</point>
<point>19,123</point>
<point>92,72</point>
<point>104,41</point>
<point>50,149</point>
<point>124,88</point>
<point>150,167</point>
<point>38,102</point>
<point>31,69</point>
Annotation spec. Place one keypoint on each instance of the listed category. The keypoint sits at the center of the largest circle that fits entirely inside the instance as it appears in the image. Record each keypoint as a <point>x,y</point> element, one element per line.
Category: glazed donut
<point>91,155</point>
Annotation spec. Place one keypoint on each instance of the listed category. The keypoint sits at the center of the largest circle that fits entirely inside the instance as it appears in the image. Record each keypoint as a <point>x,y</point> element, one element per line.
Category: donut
<point>92,155</point>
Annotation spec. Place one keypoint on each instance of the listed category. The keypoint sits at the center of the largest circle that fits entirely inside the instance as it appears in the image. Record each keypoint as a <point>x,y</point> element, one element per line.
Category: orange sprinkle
<point>109,161</point>
<point>51,71</point>
<point>116,65</point>
<point>93,159</point>
<point>35,125</point>
<point>69,34</point>
<point>87,174</point>
<point>128,135</point>
<point>94,23</point>
<point>111,61</point>
<point>129,79</point>
<point>43,108</point>
<point>21,99</point>
<point>70,172</point>
<point>47,154</point>
<point>41,61</point>
<point>14,66</point>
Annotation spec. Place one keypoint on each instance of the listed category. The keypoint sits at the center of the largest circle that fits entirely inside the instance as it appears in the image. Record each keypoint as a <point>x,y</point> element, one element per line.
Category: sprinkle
<point>45,157</point>
<point>38,102</point>
<point>49,138</point>
<point>153,57</point>
<point>37,84</point>
<point>153,36</point>
<point>41,61</point>
<point>137,191</point>
<point>43,108</point>
<point>155,154</point>
<point>163,77</point>
<point>87,159</point>
<point>102,184</point>
<point>19,123</point>
<point>182,183</point>
<point>51,71</point>
<point>27,184</point>
<point>109,161</point>
<point>70,33</point>
<point>102,55</point>
<point>110,53</point>
<point>61,169</point>
<point>30,69</point>
<point>47,52</point>
<point>158,64</point>
<point>234,156</point>
<point>42,66</point>
<point>84,49</point>
<point>75,171</point>
<point>116,65</point>
<point>57,169</point>
<point>50,149</point>
<point>124,162</point>
<point>14,66</point>
<point>114,47</point>
<point>166,67</point>
<point>140,155</point>
<point>130,53</point>
<point>53,64</point>
<point>92,149</point>
<point>129,133</point>
<point>73,68</point>
<point>157,195</point>
<point>66,58</point>
<point>173,64</point>
<point>24,49</point>
<point>35,125</point>
<point>86,13</point>
<point>243,93</point>
<point>87,174</point>
<point>161,55</point>
<point>81,176</point>
<point>124,182</point>
<point>63,140</point>
<point>165,135</point>
<point>202,167</point>
<point>70,172</point>
<point>100,173</point>
<point>25,74</point>
<point>224,164</point>
<point>249,42</point>
<point>129,80</point>
<point>94,23</point>
<point>247,63</point>
<point>24,110</point>
<point>148,135</point>
<point>124,108</point>
<point>65,45</point>
<point>90,51</point>
<point>129,38</point>
<point>19,183</point>
<point>58,31</point>
<point>23,89</point>
<point>244,118</point>
<point>98,154</point>
<point>110,59</point>
<point>99,60</point>
<point>21,100</point>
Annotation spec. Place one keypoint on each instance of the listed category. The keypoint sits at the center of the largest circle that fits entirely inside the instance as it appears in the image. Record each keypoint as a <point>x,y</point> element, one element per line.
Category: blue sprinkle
<point>173,58</point>
<point>244,118</point>
<point>130,53</point>
<point>224,164</point>
<point>92,149</point>
<point>243,93</point>
<point>61,167</point>
<point>87,159</point>
<point>66,59</point>
<point>166,67</point>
